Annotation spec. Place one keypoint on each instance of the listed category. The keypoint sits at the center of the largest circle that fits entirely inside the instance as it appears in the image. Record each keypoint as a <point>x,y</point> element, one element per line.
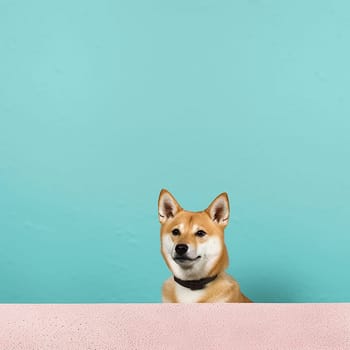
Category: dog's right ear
<point>168,207</point>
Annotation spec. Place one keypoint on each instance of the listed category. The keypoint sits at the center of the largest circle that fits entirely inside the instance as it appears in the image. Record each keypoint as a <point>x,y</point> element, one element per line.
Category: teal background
<point>103,103</point>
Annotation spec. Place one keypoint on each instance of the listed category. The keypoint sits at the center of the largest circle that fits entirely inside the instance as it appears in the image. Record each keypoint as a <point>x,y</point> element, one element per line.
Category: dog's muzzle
<point>181,257</point>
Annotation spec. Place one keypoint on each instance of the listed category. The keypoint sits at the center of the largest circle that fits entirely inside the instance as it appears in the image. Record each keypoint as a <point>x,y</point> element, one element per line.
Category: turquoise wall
<point>103,103</point>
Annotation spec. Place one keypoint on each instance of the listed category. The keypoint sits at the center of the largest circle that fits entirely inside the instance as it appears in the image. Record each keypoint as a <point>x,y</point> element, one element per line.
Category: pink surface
<point>175,326</point>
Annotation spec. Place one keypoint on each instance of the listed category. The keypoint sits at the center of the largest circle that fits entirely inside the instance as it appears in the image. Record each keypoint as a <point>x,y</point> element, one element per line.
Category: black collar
<point>195,284</point>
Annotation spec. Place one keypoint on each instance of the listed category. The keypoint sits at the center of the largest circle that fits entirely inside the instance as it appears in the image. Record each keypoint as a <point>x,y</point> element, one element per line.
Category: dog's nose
<point>181,249</point>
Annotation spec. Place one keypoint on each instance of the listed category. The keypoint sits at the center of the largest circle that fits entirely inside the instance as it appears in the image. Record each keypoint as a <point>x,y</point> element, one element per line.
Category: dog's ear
<point>168,207</point>
<point>219,209</point>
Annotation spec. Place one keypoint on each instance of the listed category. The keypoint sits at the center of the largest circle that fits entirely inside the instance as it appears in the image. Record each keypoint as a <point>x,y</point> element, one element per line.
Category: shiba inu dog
<point>193,247</point>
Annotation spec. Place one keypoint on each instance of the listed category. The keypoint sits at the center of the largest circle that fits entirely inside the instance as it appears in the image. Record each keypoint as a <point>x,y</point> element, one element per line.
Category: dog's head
<point>192,243</point>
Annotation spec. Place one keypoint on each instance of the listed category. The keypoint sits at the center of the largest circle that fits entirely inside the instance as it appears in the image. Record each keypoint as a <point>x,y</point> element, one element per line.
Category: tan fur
<point>213,221</point>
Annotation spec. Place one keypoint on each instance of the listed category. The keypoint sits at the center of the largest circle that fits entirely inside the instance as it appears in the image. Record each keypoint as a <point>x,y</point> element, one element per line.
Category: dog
<point>193,247</point>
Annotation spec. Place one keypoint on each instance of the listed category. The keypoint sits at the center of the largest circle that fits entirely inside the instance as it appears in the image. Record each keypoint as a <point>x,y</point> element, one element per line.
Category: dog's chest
<point>186,295</point>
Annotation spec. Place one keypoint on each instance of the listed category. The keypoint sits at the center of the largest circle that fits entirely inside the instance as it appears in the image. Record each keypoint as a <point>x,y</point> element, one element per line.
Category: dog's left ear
<point>219,209</point>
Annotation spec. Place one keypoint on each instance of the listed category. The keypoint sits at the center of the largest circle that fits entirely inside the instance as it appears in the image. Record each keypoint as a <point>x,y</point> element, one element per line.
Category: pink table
<point>175,326</point>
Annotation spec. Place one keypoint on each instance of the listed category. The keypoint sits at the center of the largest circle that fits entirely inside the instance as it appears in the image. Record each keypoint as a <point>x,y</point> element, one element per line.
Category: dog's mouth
<point>185,259</point>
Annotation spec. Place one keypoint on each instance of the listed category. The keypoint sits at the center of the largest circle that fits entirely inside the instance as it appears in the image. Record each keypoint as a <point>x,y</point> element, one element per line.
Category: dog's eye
<point>175,232</point>
<point>200,233</point>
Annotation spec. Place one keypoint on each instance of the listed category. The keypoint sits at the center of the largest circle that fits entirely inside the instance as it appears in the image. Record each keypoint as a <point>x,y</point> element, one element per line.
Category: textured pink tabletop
<point>175,326</point>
